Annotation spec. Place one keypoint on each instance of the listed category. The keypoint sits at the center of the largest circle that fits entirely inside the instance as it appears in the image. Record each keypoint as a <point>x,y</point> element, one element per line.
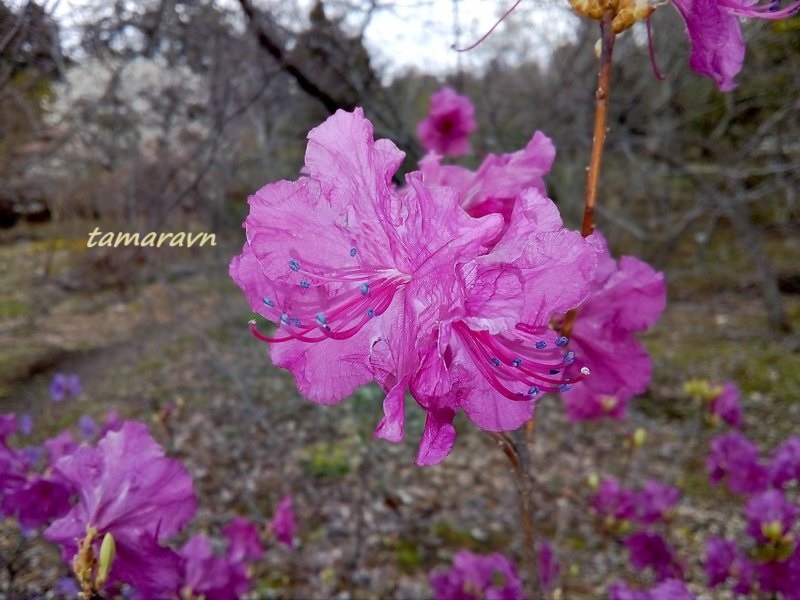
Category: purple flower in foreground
<point>367,282</point>
<point>727,407</point>
<point>127,487</point>
<point>475,577</point>
<point>735,459</point>
<point>627,297</point>
<point>785,464</point>
<point>715,33</point>
<point>65,386</point>
<point>500,179</point>
<point>212,576</point>
<point>651,550</point>
<point>450,120</point>
<point>244,541</point>
<point>780,576</point>
<point>769,516</point>
<point>283,523</point>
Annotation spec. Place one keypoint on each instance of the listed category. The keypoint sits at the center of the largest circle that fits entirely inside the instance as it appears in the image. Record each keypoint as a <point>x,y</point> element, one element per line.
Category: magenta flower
<point>127,487</point>
<point>720,557</point>
<point>654,501</point>
<point>369,282</point>
<point>769,516</point>
<point>670,589</point>
<point>65,386</point>
<point>651,550</point>
<point>780,576</point>
<point>497,183</point>
<point>283,523</point>
<point>549,567</point>
<point>59,445</point>
<point>474,577</point>
<point>785,464</point>
<point>727,407</point>
<point>612,500</point>
<point>716,37</point>
<point>450,120</point>
<point>211,576</point>
<point>627,297</point>
<point>244,541</point>
<point>736,459</point>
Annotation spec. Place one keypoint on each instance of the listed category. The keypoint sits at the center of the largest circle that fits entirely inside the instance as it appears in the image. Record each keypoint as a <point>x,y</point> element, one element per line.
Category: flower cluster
<point>65,386</point>
<point>403,286</point>
<point>769,561</point>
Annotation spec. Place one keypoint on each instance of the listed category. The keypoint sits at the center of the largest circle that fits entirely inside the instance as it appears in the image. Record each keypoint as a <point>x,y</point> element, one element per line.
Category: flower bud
<point>639,437</point>
<point>593,481</point>
<point>108,550</point>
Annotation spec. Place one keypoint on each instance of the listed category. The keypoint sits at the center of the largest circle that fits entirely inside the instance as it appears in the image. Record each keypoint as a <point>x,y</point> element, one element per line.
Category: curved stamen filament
<point>504,361</point>
<point>760,11</point>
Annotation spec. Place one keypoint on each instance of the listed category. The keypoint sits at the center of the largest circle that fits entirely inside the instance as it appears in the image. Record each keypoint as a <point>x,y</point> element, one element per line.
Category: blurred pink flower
<point>475,577</point>
<point>212,576</point>
<point>727,406</point>
<point>450,120</point>
<point>283,524</point>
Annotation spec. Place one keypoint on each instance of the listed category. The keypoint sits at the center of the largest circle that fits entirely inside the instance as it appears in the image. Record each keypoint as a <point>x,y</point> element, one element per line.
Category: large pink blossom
<point>627,297</point>
<point>126,487</point>
<point>450,120</point>
<point>715,33</point>
<point>370,282</point>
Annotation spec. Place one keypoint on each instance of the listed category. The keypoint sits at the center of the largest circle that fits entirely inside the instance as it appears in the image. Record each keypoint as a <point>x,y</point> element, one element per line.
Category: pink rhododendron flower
<point>785,464</point>
<point>244,541</point>
<point>670,589</point>
<point>127,487</point>
<point>736,459</point>
<point>720,557</point>
<point>211,576</point>
<point>548,565</point>
<point>474,577</point>
<point>727,407</point>
<point>450,120</point>
<point>716,37</point>
<point>369,282</point>
<point>627,297</point>
<point>654,501</point>
<point>612,500</point>
<point>283,523</point>
<point>497,183</point>
<point>770,516</point>
<point>651,550</point>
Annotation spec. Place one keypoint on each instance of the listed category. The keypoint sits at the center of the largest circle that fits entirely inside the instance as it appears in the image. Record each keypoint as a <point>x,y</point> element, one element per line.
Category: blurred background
<point>163,115</point>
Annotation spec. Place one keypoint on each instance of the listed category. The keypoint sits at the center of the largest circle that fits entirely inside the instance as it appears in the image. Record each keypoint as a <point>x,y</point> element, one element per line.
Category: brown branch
<point>276,51</point>
<point>600,118</point>
<point>523,484</point>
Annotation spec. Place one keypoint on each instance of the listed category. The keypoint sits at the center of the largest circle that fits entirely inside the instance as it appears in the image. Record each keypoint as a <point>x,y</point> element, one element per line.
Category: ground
<point>162,338</point>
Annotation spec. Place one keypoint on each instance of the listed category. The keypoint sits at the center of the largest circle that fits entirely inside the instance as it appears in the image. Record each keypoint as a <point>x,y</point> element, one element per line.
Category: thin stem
<point>600,117</point>
<point>523,485</point>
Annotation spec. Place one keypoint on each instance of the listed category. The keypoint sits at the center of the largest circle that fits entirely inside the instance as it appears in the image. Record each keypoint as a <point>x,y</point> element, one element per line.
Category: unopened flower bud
<point>108,551</point>
<point>772,530</point>
<point>639,437</point>
<point>629,13</point>
<point>593,481</point>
